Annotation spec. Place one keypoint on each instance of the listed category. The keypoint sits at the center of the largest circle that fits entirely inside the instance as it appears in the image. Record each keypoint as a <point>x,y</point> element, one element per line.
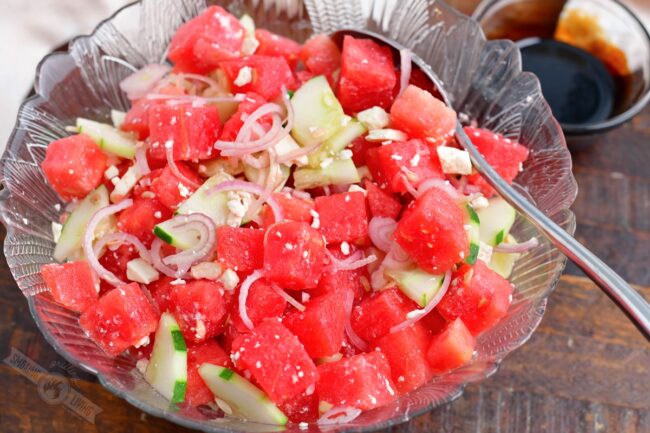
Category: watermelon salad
<point>281,232</point>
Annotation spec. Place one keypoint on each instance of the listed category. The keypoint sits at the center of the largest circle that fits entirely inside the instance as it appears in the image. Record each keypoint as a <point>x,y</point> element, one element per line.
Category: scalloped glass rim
<point>483,78</point>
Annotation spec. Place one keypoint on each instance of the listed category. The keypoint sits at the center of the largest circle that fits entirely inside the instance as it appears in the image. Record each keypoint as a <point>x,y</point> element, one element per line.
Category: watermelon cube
<point>382,203</point>
<point>160,291</point>
<point>504,155</point>
<point>74,166</point>
<point>269,74</point>
<point>240,249</point>
<point>367,75</point>
<point>252,102</point>
<point>432,232</point>
<point>320,328</point>
<point>412,160</point>
<point>263,302</point>
<point>320,55</point>
<point>71,284</point>
<point>294,209</point>
<point>302,408</point>
<point>203,42</point>
<point>337,280</point>
<point>359,148</point>
<point>170,190</point>
<point>140,219</point>
<point>343,217</point>
<point>362,381</point>
<point>478,296</point>
<point>453,347</point>
<point>115,261</point>
<point>276,359</point>
<point>432,119</point>
<point>434,322</point>
<point>294,255</point>
<point>376,314</point>
<point>121,318</point>
<point>406,352</point>
<point>201,308</point>
<point>271,44</point>
<point>191,129</point>
<point>197,393</point>
<point>137,118</point>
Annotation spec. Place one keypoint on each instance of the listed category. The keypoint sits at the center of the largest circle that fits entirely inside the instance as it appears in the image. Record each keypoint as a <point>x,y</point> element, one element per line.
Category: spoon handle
<point>628,299</point>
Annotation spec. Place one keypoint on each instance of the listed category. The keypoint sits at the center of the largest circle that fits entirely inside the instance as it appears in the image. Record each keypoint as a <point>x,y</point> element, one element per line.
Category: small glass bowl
<point>521,20</point>
<point>483,78</point>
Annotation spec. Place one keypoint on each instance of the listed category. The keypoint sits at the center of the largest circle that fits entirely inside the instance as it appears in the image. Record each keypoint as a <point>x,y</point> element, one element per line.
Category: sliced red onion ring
<point>240,185</point>
<point>290,299</point>
<point>141,82</point>
<point>245,131</point>
<point>268,140</point>
<point>517,248</point>
<point>141,160</point>
<point>89,235</point>
<point>207,230</point>
<point>121,238</point>
<point>351,263</point>
<point>406,59</point>
<point>289,107</point>
<point>409,186</point>
<point>429,308</point>
<point>356,341</point>
<point>201,78</point>
<point>440,184</point>
<point>304,195</point>
<point>298,153</point>
<point>243,296</point>
<point>157,262</point>
<point>339,415</point>
<point>381,231</point>
<point>169,152</point>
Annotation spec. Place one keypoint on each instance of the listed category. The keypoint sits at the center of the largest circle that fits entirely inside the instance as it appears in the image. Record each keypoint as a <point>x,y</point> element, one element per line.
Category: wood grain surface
<point>585,370</point>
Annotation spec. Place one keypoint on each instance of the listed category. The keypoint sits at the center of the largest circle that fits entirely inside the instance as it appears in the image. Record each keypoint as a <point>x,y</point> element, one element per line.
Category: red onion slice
<point>381,231</point>
<point>157,261</point>
<point>298,153</point>
<point>89,235</point>
<point>429,308</point>
<point>141,160</point>
<point>169,152</point>
<point>201,78</point>
<point>243,296</point>
<point>240,185</point>
<point>206,229</point>
<point>339,415</point>
<point>442,185</point>
<point>355,261</point>
<point>121,238</point>
<point>406,59</point>
<point>290,299</point>
<point>517,248</point>
<point>356,341</point>
<point>141,82</point>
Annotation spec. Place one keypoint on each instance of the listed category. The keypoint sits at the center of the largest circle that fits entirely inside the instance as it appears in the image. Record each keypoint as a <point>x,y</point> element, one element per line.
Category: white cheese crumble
<point>374,118</point>
<point>125,184</point>
<point>385,135</point>
<point>111,172</point>
<point>344,154</point>
<point>415,160</point>
<point>357,188</point>
<point>200,329</point>
<point>206,270</point>
<point>345,248</point>
<point>316,222</point>
<point>140,271</point>
<point>56,231</point>
<point>454,161</point>
<point>143,342</point>
<point>141,365</point>
<point>229,279</point>
<point>485,252</point>
<point>244,76</point>
<point>238,204</point>
<point>479,202</point>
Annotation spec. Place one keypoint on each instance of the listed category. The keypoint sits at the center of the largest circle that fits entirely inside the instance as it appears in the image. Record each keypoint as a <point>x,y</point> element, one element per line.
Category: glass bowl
<point>483,78</point>
<point>622,29</point>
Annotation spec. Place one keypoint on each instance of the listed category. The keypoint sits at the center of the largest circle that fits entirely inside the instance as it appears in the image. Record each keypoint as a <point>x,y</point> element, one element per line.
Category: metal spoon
<point>627,299</point>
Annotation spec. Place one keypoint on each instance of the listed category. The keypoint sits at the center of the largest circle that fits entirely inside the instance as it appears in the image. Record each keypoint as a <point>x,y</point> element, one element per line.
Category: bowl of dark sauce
<point>592,57</point>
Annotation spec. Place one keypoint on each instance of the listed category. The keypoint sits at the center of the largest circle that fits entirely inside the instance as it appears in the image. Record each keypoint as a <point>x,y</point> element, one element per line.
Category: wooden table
<point>586,369</point>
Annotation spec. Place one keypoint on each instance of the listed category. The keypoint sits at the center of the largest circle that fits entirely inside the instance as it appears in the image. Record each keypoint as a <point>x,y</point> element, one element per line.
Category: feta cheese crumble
<point>454,161</point>
<point>374,118</point>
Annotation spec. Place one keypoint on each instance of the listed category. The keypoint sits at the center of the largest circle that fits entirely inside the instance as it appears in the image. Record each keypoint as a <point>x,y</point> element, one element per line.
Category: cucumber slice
<point>73,230</point>
<point>337,142</point>
<point>472,227</point>
<point>502,263</point>
<point>258,175</point>
<point>245,399</point>
<point>318,113</point>
<point>108,138</point>
<point>183,239</point>
<point>338,173</point>
<point>496,221</point>
<point>167,367</point>
<point>418,285</point>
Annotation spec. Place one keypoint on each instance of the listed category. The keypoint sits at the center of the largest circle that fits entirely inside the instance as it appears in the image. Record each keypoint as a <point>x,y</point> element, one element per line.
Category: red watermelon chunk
<point>451,348</point>
<point>271,44</point>
<point>115,260</point>
<point>343,217</point>
<point>202,43</point>
<point>359,148</point>
<point>121,318</point>
<point>200,307</point>
<point>192,130</point>
<point>337,280</point>
<point>320,55</point>
<point>362,381</point>
<point>240,249</point>
<point>320,328</point>
<point>294,209</point>
<point>421,115</point>
<point>71,284</point>
<point>276,360</point>
<point>303,408</point>
<point>377,314</point>
<point>74,166</point>
<point>197,392</point>
<point>412,160</point>
<point>170,190</point>
<point>263,302</point>
<point>504,155</point>
<point>367,75</point>
<point>160,291</point>
<point>137,118</point>
<point>431,231</point>
<point>294,255</point>
<point>269,74</point>
<point>406,352</point>
<point>478,296</point>
<point>252,102</point>
<point>434,322</point>
<point>382,203</point>
<point>140,219</point>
